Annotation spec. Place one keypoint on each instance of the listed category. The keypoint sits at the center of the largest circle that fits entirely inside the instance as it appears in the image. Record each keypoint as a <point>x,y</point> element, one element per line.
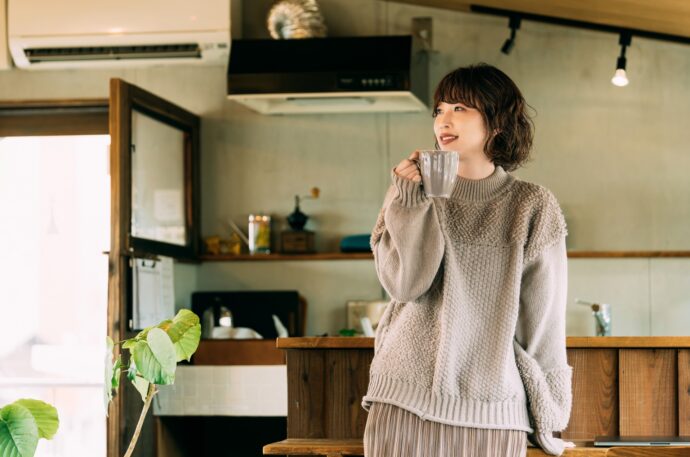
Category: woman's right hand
<point>409,168</point>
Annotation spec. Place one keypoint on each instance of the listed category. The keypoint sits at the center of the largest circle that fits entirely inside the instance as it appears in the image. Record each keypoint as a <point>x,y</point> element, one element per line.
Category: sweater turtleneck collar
<point>482,189</point>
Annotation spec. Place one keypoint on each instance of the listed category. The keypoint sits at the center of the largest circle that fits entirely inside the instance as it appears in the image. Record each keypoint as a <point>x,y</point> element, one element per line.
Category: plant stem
<point>147,404</point>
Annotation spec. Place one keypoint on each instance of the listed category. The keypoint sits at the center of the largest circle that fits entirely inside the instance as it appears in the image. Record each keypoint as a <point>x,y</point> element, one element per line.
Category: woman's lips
<point>446,139</point>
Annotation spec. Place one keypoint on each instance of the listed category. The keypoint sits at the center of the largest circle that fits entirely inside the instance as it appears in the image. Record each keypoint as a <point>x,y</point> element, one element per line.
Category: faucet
<point>602,316</point>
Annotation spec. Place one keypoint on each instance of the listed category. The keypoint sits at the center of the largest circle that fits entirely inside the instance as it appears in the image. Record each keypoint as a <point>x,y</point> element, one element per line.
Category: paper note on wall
<point>153,292</point>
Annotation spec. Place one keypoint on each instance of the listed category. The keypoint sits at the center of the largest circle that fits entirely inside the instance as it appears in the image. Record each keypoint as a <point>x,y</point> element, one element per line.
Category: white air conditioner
<point>97,33</point>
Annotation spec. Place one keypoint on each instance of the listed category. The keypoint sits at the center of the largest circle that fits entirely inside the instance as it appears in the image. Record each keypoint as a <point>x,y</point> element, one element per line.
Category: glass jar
<point>259,234</point>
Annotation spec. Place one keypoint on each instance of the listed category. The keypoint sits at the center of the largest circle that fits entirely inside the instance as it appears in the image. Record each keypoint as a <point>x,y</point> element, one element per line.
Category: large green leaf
<point>132,370</point>
<point>45,415</point>
<point>141,384</point>
<point>18,432</point>
<point>184,331</point>
<point>130,343</point>
<point>141,336</point>
<point>108,374</point>
<point>155,358</point>
<point>117,368</point>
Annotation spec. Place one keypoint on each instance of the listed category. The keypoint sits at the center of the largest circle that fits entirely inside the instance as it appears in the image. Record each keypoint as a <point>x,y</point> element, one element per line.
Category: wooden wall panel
<point>595,394</point>
<point>306,397</point>
<point>616,391</point>
<point>648,392</point>
<point>347,377</point>
<point>684,392</point>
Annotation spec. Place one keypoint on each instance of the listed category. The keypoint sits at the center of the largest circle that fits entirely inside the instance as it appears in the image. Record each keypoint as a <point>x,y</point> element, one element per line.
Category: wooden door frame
<point>124,99</point>
<point>76,117</point>
<point>53,117</point>
<point>102,116</point>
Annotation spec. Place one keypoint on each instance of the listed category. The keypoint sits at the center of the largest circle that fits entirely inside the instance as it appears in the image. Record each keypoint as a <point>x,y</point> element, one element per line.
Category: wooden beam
<point>671,17</point>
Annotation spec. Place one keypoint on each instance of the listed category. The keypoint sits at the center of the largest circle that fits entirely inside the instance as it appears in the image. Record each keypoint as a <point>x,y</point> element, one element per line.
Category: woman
<point>470,354</point>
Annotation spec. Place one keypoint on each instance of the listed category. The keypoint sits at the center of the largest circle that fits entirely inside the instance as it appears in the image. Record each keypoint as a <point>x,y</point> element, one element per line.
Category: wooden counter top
<point>325,342</point>
<point>628,386</point>
<point>353,342</point>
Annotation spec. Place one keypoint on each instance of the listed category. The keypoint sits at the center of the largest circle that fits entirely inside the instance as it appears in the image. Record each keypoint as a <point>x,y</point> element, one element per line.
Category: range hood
<point>329,75</point>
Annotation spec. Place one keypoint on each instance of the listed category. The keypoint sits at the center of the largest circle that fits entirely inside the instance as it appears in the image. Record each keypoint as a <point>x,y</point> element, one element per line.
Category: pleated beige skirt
<point>395,432</point>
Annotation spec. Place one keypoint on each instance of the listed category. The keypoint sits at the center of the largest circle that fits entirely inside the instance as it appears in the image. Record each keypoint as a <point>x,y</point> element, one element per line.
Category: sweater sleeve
<point>407,241</point>
<point>540,332</point>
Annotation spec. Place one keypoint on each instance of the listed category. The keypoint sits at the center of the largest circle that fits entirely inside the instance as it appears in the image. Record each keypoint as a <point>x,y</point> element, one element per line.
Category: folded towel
<point>355,243</point>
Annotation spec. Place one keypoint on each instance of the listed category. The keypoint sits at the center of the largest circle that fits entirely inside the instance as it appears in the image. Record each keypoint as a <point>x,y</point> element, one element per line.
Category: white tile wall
<point>622,283</point>
<point>670,297</point>
<point>648,296</point>
<point>236,390</point>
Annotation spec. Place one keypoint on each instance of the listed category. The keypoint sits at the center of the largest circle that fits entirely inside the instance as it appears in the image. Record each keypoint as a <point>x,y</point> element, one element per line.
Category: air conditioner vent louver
<point>50,35</point>
<point>167,51</point>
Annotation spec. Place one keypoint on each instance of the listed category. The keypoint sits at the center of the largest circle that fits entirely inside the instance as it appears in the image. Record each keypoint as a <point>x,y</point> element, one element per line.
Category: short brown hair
<point>491,92</point>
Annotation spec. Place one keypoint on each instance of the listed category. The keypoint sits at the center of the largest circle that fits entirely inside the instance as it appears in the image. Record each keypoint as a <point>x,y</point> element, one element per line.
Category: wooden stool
<point>327,447</point>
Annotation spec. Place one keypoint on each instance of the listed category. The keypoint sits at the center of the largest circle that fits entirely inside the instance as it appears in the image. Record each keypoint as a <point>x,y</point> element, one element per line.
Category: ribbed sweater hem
<point>447,409</point>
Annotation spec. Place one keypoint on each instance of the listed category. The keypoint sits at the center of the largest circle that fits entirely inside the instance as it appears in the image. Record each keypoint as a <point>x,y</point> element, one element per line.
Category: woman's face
<point>460,128</point>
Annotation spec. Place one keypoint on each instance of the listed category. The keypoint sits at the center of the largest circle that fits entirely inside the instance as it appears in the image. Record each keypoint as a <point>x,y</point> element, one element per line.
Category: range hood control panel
<point>380,81</point>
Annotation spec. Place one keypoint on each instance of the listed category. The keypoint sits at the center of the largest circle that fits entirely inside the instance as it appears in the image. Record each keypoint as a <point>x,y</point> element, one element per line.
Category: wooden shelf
<point>268,257</point>
<point>626,254</point>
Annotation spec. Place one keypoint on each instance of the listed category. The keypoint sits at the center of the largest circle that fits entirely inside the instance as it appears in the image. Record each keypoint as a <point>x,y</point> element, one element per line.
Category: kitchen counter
<point>352,342</point>
<point>621,386</point>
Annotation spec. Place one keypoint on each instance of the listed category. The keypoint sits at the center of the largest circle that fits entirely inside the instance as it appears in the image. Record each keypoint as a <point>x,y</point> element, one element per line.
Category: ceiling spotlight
<point>620,78</point>
<point>514,24</point>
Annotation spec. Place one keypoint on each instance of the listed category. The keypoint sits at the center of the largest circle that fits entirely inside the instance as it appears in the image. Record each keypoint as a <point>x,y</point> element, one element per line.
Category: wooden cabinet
<point>621,386</point>
<point>630,390</point>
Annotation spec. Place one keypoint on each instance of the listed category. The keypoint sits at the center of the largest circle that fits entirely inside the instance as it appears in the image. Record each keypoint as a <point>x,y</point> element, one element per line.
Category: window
<point>55,210</point>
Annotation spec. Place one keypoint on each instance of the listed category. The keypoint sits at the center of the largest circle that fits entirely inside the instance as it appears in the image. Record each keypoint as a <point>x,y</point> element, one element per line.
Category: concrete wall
<point>615,158</point>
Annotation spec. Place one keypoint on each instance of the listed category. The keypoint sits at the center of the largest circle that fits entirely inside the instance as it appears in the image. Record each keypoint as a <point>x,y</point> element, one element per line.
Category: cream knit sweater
<point>475,332</point>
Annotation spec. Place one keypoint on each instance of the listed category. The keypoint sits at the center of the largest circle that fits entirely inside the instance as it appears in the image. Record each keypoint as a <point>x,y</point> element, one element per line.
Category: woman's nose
<point>445,119</point>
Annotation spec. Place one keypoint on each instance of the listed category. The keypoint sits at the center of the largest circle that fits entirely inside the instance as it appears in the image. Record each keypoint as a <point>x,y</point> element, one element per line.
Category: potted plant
<point>23,423</point>
<point>154,354</point>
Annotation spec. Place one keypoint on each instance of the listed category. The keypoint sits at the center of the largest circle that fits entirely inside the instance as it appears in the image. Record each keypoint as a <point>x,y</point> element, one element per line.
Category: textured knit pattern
<point>475,331</point>
<point>393,431</point>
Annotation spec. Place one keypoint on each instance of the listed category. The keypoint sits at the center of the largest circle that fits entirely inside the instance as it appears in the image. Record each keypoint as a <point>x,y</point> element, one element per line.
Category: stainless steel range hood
<point>329,75</point>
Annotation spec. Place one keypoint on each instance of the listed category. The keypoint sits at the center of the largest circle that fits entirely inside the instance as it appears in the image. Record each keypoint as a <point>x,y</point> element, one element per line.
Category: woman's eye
<point>437,111</point>
<point>459,108</point>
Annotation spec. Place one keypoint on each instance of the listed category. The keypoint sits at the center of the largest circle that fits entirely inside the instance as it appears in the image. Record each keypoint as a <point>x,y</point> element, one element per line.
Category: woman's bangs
<point>456,89</point>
